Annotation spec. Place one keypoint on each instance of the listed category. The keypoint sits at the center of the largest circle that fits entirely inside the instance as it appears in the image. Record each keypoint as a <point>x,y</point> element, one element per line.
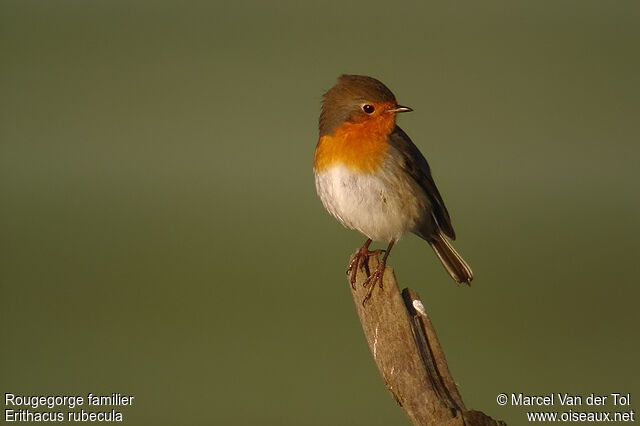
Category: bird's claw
<point>360,260</point>
<point>372,280</point>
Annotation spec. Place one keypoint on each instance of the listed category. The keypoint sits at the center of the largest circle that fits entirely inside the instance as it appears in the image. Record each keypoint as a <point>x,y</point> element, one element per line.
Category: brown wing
<point>416,165</point>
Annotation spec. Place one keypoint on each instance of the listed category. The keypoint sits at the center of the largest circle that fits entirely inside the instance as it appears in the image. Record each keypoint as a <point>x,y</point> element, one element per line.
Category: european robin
<point>373,179</point>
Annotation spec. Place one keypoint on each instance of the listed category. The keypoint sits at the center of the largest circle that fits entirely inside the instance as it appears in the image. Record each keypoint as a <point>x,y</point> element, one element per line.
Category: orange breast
<point>360,146</point>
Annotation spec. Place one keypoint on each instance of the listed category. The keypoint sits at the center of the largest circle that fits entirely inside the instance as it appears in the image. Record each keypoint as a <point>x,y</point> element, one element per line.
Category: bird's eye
<point>368,108</point>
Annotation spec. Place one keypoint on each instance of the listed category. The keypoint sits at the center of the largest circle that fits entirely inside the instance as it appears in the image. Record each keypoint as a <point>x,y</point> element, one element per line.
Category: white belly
<point>380,205</point>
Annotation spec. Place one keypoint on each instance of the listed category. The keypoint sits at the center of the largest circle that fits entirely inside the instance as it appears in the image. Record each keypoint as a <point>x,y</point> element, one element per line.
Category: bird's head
<point>357,99</point>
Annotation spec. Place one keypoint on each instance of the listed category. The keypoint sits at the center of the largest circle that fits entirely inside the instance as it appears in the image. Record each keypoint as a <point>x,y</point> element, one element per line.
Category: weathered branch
<point>408,354</point>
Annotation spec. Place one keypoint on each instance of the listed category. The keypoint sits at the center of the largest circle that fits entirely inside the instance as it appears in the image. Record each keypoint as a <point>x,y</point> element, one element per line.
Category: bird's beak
<point>400,108</point>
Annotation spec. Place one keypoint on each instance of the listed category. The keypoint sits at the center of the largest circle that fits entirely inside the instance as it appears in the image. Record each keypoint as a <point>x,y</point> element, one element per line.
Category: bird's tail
<point>451,260</point>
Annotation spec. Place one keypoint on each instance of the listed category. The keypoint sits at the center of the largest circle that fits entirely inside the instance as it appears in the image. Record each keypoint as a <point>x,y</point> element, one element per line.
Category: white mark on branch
<point>375,343</point>
<point>393,368</point>
<point>417,304</point>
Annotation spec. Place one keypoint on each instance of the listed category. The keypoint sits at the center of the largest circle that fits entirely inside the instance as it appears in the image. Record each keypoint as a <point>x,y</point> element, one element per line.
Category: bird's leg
<point>359,260</point>
<point>377,275</point>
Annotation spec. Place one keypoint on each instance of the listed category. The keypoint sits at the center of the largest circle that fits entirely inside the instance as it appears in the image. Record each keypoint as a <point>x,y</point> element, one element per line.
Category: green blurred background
<point>160,234</point>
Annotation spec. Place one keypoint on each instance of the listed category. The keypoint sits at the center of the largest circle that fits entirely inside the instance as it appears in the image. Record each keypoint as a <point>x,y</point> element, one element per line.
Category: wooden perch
<point>406,349</point>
